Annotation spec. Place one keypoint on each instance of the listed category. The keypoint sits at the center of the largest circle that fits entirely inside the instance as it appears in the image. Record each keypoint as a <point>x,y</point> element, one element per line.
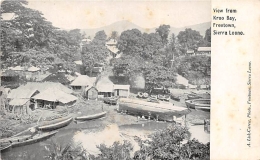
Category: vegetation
<point>29,39</point>
<point>167,144</point>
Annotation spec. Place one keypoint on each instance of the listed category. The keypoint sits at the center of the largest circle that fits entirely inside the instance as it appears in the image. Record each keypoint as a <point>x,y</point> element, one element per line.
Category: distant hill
<point>121,26</point>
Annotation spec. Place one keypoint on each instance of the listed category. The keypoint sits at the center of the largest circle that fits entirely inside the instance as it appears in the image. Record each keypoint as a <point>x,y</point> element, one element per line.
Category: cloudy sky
<point>89,14</point>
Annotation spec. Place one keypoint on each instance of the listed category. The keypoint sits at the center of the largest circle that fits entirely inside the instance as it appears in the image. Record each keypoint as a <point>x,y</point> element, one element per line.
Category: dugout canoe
<point>28,139</point>
<point>91,117</point>
<point>36,138</point>
<point>4,147</point>
<point>158,111</point>
<point>55,124</point>
<point>203,107</point>
<point>193,102</point>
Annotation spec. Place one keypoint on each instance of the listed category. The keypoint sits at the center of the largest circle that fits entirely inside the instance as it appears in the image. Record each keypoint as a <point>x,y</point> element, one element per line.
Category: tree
<point>33,40</point>
<point>100,38</point>
<point>163,31</point>
<point>168,145</point>
<point>114,35</point>
<point>131,42</point>
<point>96,52</point>
<point>189,39</point>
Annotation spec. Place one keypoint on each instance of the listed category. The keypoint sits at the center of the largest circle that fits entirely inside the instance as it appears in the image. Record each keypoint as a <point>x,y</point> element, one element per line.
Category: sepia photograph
<point>112,80</point>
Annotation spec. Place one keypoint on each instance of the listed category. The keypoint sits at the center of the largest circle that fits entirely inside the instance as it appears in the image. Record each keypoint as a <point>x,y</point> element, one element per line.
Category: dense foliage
<point>28,39</point>
<point>168,144</point>
<point>95,52</point>
<point>195,68</point>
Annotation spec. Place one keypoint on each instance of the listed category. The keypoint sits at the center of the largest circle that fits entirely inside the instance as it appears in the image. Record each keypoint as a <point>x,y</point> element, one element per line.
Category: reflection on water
<point>90,135</point>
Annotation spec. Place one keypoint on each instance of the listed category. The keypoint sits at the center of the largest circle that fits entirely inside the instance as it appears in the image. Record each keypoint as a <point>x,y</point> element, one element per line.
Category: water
<point>90,134</point>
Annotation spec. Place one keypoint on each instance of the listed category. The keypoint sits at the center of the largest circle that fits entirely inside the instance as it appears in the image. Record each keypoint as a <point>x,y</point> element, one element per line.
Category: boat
<point>193,102</point>
<point>111,100</point>
<point>27,139</point>
<point>140,94</point>
<point>193,96</point>
<point>55,124</point>
<point>33,139</point>
<point>167,98</point>
<point>145,95</point>
<point>90,117</point>
<point>158,111</point>
<point>161,97</point>
<point>14,139</point>
<point>203,107</point>
<point>5,146</point>
<point>173,97</point>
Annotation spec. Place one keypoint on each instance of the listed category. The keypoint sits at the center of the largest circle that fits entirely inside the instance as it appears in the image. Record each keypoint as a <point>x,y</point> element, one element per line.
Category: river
<point>92,133</point>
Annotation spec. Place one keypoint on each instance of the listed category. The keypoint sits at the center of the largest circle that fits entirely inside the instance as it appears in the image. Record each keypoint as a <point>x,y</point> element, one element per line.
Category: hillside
<point>121,26</point>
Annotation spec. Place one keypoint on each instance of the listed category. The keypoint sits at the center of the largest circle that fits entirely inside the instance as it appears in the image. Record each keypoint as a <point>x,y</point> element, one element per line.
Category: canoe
<point>158,111</point>
<point>167,98</point>
<point>14,139</point>
<point>193,102</point>
<point>140,95</point>
<point>34,139</point>
<point>55,124</point>
<point>5,146</point>
<point>203,107</point>
<point>110,100</point>
<point>193,96</point>
<point>145,95</point>
<point>90,117</point>
<point>26,139</point>
<point>161,97</point>
<point>173,97</point>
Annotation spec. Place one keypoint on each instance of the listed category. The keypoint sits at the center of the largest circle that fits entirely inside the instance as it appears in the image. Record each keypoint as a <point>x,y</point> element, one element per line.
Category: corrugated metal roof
<point>18,102</point>
<point>22,93</point>
<point>45,85</point>
<point>83,80</point>
<point>105,85</point>
<point>55,95</point>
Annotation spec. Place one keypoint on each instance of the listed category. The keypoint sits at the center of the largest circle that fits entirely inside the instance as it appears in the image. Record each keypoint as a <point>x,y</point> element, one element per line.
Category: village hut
<point>81,82</point>
<point>57,77</point>
<point>105,87</point>
<point>122,90</point>
<point>20,100</point>
<point>91,93</point>
<point>52,97</point>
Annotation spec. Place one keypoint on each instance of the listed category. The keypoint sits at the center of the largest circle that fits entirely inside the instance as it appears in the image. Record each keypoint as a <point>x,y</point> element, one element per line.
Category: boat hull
<point>194,102</point>
<point>158,111</point>
<point>5,147</point>
<point>55,124</point>
<point>91,117</point>
<point>34,139</point>
<point>202,107</point>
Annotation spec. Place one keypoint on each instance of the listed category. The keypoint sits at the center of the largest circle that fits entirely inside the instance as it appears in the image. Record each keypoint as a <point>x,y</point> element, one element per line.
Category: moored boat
<point>91,117</point>
<point>193,102</point>
<point>158,111</point>
<point>36,138</point>
<point>176,98</point>
<point>167,98</point>
<point>111,100</point>
<point>5,146</point>
<point>203,107</point>
<point>55,124</point>
<point>161,97</point>
<point>145,95</point>
<point>140,94</point>
<point>26,139</point>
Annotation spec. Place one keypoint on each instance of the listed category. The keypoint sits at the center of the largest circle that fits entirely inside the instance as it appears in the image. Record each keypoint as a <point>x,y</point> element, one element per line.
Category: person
<point>33,131</point>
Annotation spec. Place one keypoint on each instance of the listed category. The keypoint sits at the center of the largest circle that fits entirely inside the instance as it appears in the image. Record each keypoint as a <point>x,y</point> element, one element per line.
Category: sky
<point>85,14</point>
